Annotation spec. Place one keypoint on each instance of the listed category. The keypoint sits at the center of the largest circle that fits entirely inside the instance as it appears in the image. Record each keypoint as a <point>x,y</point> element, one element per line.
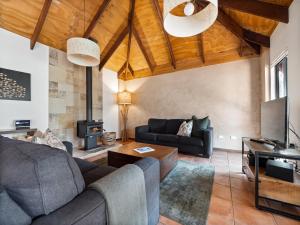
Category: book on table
<point>143,149</point>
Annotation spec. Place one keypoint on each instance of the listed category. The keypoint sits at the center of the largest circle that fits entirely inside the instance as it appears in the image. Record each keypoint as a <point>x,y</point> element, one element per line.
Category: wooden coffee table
<point>125,154</point>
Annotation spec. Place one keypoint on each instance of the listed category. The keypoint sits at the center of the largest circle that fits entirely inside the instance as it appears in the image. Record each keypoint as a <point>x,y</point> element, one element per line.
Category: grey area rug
<point>185,193</point>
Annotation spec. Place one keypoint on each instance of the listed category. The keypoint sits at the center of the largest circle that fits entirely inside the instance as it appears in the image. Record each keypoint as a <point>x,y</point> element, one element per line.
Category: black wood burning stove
<point>89,129</point>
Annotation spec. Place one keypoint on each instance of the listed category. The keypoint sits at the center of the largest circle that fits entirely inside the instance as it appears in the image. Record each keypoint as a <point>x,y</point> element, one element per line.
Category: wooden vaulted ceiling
<point>131,35</point>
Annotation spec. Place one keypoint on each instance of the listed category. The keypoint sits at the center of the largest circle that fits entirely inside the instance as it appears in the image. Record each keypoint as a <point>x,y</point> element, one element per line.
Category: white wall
<point>228,93</point>
<point>286,37</point>
<point>15,54</point>
<point>110,107</point>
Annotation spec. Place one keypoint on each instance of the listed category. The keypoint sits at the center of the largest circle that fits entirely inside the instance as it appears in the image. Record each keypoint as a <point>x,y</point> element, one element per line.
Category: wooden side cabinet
<point>272,194</point>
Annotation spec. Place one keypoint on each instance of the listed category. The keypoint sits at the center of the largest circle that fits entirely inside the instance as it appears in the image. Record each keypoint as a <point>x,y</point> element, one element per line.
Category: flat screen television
<point>275,121</point>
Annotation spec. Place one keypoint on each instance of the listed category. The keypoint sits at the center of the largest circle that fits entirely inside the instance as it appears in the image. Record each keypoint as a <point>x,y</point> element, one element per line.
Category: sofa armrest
<point>69,147</point>
<point>151,169</point>
<point>141,129</point>
<point>207,136</point>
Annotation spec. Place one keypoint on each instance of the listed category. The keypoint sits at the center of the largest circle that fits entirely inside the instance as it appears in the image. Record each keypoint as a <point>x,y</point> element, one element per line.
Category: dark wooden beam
<point>160,18</point>
<point>259,8</point>
<point>201,47</point>
<point>114,45</point>
<point>236,29</point>
<point>143,49</point>
<point>95,19</point>
<point>130,25</point>
<point>40,23</point>
<point>123,69</point>
<point>257,38</point>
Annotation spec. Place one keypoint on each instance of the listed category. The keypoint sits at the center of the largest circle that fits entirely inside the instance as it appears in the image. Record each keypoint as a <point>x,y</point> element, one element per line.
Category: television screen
<point>274,120</point>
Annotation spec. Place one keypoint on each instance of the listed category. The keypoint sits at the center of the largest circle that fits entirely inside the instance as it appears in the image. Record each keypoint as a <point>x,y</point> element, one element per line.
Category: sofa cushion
<point>157,125</point>
<point>84,165</point>
<point>172,138</point>
<point>198,125</point>
<point>10,212</point>
<point>185,129</point>
<point>148,136</point>
<point>97,173</point>
<point>190,141</point>
<point>40,179</point>
<point>88,208</point>
<point>173,125</point>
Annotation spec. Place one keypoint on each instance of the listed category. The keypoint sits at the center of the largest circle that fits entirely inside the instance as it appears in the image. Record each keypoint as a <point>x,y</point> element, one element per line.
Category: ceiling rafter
<point>143,49</point>
<point>130,25</point>
<point>95,19</point>
<point>160,18</point>
<point>236,29</point>
<point>201,47</point>
<point>114,45</point>
<point>40,23</point>
<point>264,9</point>
<point>123,68</point>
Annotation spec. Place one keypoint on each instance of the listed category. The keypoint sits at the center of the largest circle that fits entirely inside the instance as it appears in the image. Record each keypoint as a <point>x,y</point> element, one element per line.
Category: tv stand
<point>268,188</point>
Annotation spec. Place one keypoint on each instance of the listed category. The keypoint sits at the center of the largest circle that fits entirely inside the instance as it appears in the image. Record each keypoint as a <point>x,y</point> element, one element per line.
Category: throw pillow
<point>10,212</point>
<point>185,129</point>
<point>49,138</point>
<point>199,125</point>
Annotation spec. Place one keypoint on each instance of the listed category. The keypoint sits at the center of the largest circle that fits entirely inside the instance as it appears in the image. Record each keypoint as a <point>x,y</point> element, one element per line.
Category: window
<point>279,79</point>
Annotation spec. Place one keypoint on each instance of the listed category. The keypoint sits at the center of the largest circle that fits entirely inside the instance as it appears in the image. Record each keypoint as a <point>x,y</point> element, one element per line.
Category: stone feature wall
<point>67,96</point>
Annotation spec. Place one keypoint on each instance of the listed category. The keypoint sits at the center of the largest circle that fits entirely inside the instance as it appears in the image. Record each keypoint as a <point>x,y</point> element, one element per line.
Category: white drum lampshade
<point>83,52</point>
<point>191,24</point>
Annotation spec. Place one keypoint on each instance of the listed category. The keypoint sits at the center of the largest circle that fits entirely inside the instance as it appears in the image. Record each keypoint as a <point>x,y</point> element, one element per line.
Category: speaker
<point>280,170</point>
<point>22,124</point>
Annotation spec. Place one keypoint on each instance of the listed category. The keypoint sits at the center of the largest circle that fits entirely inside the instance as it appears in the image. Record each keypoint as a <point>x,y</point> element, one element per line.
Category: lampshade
<point>124,98</point>
<point>186,26</point>
<point>83,52</point>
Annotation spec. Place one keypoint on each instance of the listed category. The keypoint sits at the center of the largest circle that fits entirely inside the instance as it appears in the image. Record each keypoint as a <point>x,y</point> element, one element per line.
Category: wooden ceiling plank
<point>236,29</point>
<point>143,49</point>
<point>201,47</point>
<point>160,18</point>
<point>114,45</point>
<point>40,23</point>
<point>263,9</point>
<point>95,19</point>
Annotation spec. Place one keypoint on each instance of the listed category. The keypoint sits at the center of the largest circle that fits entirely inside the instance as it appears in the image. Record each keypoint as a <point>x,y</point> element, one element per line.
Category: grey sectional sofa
<point>163,132</point>
<point>40,185</point>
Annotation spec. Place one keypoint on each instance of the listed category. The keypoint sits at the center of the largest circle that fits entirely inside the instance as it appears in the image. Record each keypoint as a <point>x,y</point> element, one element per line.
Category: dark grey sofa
<point>46,186</point>
<point>163,132</point>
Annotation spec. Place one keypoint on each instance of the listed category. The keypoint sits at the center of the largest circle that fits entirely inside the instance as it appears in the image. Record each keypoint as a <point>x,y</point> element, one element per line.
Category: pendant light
<point>192,23</point>
<point>83,51</point>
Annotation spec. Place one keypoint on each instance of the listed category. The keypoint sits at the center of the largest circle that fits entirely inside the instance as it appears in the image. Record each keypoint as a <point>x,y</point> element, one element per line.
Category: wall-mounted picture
<point>14,85</point>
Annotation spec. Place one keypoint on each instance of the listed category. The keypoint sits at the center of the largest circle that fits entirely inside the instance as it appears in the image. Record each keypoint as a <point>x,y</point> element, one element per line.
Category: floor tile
<point>246,215</point>
<point>239,175</point>
<point>220,211</point>
<point>221,191</point>
<point>280,220</point>
<point>223,180</point>
<point>167,221</point>
<point>241,184</point>
<point>242,197</point>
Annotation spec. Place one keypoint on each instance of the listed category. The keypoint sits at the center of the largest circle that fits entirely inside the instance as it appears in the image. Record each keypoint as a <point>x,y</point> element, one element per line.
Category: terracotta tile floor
<point>232,200</point>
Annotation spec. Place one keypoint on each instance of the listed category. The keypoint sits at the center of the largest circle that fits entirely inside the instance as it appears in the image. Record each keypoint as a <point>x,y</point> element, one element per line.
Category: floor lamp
<point>124,100</point>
